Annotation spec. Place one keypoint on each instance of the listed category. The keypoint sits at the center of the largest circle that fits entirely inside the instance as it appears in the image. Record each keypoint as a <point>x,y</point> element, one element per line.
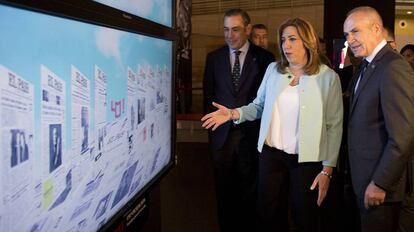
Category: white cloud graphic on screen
<point>108,42</point>
<point>140,38</point>
<point>142,8</point>
<point>163,46</point>
<point>164,11</point>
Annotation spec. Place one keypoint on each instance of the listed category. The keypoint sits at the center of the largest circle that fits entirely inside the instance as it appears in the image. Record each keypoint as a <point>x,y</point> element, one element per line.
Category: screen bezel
<point>128,15</point>
<point>96,13</point>
<point>101,15</point>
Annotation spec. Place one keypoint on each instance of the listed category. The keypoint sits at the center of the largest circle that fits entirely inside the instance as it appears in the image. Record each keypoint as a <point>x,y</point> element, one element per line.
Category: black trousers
<point>388,217</point>
<point>382,218</point>
<point>406,220</point>
<point>235,172</point>
<point>281,177</point>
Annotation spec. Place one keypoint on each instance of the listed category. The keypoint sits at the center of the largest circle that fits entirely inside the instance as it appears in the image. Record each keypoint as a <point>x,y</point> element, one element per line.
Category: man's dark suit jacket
<point>218,87</point>
<point>381,125</point>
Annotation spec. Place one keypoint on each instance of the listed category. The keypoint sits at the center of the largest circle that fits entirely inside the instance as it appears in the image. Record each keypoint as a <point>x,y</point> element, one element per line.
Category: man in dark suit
<point>232,76</point>
<point>381,122</point>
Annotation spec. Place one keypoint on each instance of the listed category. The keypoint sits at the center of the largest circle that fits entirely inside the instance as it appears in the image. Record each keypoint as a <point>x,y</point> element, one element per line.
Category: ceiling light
<point>409,12</point>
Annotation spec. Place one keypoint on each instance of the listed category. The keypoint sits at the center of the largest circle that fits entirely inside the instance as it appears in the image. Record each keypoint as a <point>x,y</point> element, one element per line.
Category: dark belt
<point>265,146</point>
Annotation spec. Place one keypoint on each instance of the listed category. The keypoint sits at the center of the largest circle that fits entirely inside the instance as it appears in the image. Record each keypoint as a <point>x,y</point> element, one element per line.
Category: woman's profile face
<point>293,47</point>
<point>408,55</point>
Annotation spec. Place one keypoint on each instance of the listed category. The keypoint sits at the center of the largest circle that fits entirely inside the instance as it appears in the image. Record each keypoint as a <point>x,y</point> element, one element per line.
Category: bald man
<point>381,122</point>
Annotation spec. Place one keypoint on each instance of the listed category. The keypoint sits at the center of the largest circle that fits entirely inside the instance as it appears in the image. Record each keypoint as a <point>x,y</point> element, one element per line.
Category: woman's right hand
<point>216,118</point>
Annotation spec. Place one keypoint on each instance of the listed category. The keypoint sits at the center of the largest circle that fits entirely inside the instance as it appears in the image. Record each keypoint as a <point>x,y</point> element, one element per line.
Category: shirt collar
<point>376,50</point>
<point>243,49</point>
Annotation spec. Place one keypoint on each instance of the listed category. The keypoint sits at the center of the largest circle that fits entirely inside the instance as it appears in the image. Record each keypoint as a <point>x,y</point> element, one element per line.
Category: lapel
<point>225,67</point>
<point>351,85</point>
<point>274,86</point>
<point>368,74</point>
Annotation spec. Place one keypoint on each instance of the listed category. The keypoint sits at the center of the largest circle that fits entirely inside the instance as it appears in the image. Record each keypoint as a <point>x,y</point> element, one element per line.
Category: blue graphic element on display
<point>62,197</point>
<point>124,184</point>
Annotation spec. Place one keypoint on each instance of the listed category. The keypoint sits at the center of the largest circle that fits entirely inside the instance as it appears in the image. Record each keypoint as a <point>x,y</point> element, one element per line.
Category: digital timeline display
<point>85,120</point>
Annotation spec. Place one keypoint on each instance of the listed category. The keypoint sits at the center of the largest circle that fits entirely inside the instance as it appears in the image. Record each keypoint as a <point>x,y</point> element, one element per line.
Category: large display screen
<point>85,120</point>
<point>158,11</point>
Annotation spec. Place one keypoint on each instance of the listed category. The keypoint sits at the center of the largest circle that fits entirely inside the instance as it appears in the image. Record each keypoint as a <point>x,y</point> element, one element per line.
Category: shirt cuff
<point>328,164</point>
<point>379,186</point>
<point>240,116</point>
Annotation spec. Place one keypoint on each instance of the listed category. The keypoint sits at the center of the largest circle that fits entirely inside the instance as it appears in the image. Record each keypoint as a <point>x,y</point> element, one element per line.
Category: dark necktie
<point>235,74</point>
<point>364,66</point>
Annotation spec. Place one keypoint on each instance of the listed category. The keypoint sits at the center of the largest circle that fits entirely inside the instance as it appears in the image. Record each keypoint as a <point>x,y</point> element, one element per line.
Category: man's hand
<point>216,118</point>
<point>374,195</point>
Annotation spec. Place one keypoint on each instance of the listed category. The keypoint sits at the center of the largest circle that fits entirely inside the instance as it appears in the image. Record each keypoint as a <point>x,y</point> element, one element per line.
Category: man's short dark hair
<point>390,34</point>
<point>407,47</point>
<point>242,13</point>
<point>259,26</point>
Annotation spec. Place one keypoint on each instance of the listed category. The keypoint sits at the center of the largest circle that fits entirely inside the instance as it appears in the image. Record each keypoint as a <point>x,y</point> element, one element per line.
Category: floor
<point>186,195</point>
<point>187,192</point>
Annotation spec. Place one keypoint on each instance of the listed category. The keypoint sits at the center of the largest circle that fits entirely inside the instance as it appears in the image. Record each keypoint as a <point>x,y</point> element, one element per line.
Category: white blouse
<point>283,132</point>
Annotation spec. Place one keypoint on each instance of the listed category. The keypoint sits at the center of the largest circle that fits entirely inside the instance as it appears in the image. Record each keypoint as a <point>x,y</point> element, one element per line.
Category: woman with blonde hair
<point>300,106</point>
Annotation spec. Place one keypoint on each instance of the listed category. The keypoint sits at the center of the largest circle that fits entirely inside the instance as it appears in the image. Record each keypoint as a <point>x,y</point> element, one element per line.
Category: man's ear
<point>377,29</point>
<point>249,29</point>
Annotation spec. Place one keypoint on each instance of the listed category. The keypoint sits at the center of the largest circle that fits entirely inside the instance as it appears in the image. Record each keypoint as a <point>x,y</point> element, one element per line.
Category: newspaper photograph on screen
<point>85,120</point>
<point>16,144</point>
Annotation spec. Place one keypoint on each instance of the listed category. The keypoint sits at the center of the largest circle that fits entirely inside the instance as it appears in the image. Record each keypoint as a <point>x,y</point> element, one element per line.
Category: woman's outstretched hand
<point>216,118</point>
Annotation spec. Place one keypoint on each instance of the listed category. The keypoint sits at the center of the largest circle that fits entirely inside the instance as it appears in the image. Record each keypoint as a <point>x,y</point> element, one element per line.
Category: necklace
<point>296,72</point>
<point>295,81</point>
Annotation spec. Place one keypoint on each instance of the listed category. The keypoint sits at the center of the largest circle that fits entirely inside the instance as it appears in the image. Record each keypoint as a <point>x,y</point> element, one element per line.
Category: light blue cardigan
<point>320,113</point>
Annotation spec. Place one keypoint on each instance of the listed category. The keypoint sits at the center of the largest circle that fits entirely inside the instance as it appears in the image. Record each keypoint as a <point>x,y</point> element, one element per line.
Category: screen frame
<point>128,15</point>
<point>95,13</point>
